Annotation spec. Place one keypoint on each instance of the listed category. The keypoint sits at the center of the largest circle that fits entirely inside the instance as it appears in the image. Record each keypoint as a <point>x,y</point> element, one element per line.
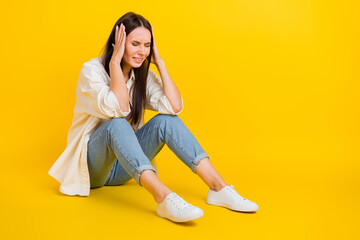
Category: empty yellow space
<point>271,92</point>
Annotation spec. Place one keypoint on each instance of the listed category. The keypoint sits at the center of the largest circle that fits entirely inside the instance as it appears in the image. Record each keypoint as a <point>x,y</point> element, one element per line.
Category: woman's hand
<point>119,46</point>
<point>155,57</point>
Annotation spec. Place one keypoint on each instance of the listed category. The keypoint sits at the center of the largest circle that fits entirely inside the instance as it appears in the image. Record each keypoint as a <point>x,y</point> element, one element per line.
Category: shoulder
<point>94,63</point>
<point>94,68</point>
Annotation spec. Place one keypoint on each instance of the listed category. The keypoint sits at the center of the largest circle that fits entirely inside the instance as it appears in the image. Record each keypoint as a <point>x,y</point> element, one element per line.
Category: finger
<point>123,40</point>
<point>121,33</point>
<point>117,34</point>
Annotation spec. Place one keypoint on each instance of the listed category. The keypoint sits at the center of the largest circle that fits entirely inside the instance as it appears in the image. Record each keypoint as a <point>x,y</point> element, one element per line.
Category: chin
<point>137,65</point>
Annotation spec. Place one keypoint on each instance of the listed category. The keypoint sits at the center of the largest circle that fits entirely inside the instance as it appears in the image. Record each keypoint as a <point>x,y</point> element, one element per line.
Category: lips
<point>138,59</point>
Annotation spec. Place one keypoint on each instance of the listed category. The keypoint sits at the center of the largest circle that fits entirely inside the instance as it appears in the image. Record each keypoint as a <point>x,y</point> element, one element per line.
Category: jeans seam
<point>125,156</point>
<point>100,134</point>
<point>136,169</point>
<point>153,130</point>
<point>192,159</point>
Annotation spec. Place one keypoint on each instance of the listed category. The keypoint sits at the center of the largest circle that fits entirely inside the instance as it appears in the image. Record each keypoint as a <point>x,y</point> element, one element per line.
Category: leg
<point>209,175</point>
<point>113,141</point>
<point>152,183</point>
<point>116,137</point>
<point>170,129</point>
<point>152,137</point>
<point>114,151</point>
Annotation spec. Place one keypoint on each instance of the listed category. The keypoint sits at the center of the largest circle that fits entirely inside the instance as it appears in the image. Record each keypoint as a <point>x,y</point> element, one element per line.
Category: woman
<point>108,143</point>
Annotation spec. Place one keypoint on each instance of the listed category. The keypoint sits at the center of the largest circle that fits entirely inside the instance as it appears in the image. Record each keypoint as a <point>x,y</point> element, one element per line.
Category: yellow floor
<point>296,202</point>
<point>270,90</point>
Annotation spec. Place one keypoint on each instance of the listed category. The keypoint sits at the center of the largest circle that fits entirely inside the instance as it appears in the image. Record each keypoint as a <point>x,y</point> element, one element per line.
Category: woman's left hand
<point>155,57</point>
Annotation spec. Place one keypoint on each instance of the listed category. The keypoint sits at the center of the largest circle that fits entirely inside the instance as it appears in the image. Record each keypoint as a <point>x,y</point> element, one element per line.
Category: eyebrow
<point>139,42</point>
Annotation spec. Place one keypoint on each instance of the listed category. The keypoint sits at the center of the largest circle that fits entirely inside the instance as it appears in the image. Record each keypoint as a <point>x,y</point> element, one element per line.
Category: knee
<point>167,118</point>
<point>117,123</point>
<point>117,127</point>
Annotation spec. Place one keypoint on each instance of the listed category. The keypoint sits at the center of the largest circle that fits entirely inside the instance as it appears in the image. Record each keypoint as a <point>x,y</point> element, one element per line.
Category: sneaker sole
<point>225,206</point>
<point>177,219</point>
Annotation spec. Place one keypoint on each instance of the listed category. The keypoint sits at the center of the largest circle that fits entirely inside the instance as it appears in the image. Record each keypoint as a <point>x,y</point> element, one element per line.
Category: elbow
<point>125,107</point>
<point>125,110</point>
<point>178,109</point>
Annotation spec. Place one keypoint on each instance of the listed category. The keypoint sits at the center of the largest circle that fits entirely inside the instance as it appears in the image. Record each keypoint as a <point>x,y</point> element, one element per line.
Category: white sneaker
<point>229,198</point>
<point>177,209</point>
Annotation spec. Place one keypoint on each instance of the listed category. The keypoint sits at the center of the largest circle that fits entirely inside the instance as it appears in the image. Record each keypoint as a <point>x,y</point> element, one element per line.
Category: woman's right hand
<point>119,46</point>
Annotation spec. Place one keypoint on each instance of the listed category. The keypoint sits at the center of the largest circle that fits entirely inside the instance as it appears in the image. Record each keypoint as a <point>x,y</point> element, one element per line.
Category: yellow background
<point>270,89</point>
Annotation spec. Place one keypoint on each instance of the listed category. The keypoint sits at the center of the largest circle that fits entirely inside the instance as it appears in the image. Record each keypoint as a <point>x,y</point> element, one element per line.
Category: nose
<point>142,51</point>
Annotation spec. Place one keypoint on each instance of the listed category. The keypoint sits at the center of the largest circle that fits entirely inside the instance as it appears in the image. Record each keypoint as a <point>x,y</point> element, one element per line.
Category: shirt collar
<point>131,79</point>
<point>132,74</point>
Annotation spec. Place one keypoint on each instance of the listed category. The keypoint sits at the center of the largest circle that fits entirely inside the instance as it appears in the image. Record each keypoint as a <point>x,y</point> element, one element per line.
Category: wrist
<point>114,63</point>
<point>159,62</point>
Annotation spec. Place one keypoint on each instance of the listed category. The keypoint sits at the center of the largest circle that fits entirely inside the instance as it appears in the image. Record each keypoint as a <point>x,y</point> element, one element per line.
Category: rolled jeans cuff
<point>196,161</point>
<point>140,169</point>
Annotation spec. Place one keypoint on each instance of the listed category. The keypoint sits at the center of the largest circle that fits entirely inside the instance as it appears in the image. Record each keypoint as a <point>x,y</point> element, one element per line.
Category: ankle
<point>217,188</point>
<point>161,196</point>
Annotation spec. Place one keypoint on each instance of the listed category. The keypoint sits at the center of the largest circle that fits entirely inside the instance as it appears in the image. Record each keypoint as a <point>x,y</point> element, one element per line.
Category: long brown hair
<point>131,21</point>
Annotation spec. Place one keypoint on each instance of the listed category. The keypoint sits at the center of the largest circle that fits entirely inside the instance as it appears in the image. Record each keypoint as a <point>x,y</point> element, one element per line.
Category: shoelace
<point>234,193</point>
<point>178,201</point>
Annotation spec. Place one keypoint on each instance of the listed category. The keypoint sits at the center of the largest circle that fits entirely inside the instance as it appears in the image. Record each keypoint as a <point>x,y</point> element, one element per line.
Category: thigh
<point>122,142</point>
<point>170,130</point>
<point>100,157</point>
<point>150,137</point>
<point>151,143</point>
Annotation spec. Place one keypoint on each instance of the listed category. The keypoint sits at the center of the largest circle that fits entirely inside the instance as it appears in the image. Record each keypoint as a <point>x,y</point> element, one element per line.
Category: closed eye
<point>138,44</point>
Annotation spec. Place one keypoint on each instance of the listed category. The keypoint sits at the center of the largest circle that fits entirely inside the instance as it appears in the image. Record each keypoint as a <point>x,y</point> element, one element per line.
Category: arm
<point>170,89</point>
<point>118,85</point>
<point>156,99</point>
<point>94,94</point>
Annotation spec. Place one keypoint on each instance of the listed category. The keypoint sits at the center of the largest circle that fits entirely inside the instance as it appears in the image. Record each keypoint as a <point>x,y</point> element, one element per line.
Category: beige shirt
<point>95,104</point>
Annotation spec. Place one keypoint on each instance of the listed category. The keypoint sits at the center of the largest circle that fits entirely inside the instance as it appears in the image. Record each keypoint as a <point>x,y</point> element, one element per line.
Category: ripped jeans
<point>117,154</point>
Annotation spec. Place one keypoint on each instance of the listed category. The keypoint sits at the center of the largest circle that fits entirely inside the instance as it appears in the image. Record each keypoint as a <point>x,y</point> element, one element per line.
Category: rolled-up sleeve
<point>94,93</point>
<point>156,99</point>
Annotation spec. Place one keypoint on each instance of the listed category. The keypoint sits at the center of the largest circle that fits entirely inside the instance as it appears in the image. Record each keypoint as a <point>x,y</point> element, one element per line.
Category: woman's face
<point>137,47</point>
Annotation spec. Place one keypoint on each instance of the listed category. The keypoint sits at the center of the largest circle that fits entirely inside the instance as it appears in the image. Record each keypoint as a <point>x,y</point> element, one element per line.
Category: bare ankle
<point>152,183</point>
<point>218,187</point>
<point>160,197</point>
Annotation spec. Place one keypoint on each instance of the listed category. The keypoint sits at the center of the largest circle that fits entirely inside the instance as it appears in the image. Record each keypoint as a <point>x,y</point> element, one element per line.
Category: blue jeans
<point>117,154</point>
